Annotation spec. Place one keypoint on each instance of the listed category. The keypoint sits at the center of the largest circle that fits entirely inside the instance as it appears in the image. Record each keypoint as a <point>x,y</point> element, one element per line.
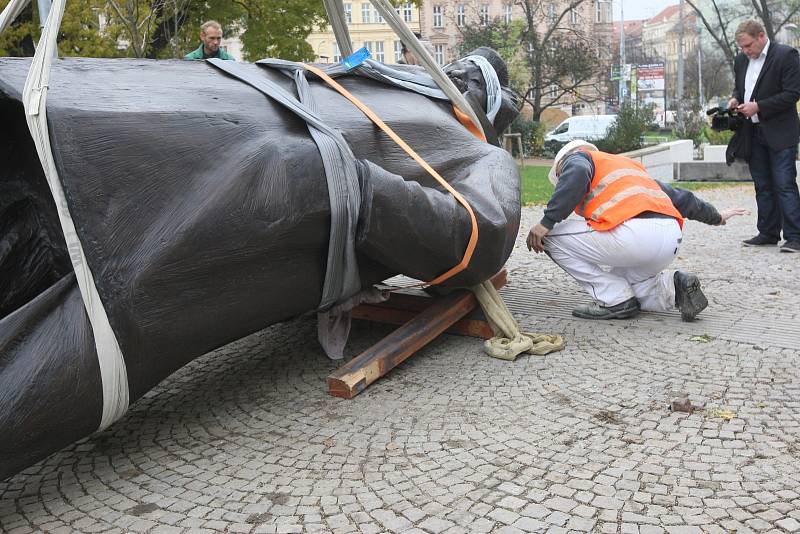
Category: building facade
<point>367,28</point>
<point>660,44</point>
<point>440,22</point>
<point>634,45</point>
<point>443,20</point>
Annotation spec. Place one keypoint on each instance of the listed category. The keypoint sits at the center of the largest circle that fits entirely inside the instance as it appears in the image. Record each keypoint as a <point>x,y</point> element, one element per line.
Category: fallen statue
<point>209,204</point>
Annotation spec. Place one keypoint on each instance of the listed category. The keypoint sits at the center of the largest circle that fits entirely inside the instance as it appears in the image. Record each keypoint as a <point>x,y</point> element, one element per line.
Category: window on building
<point>438,54</point>
<point>407,13</point>
<point>437,17</point>
<point>337,55</point>
<point>461,17</point>
<point>375,49</point>
<point>366,12</point>
<point>484,14</point>
<point>573,16</point>
<point>507,13</point>
<point>602,11</point>
<point>378,17</point>
<point>551,13</point>
<point>348,13</point>
<point>398,51</point>
<point>552,91</point>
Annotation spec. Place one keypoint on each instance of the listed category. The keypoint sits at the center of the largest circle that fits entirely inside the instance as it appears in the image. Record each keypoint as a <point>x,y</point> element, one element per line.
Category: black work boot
<point>623,310</point>
<point>791,246</point>
<point>760,241</point>
<point>689,298</point>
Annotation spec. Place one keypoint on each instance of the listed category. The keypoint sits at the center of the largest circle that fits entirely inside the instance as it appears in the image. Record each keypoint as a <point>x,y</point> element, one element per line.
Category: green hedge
<point>532,136</point>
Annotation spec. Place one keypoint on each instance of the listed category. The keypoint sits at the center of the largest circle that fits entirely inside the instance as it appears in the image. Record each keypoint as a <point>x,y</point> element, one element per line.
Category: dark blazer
<point>776,92</point>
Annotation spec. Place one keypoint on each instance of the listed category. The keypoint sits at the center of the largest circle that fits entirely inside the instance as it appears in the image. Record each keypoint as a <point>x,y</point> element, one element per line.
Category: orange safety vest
<point>621,189</point>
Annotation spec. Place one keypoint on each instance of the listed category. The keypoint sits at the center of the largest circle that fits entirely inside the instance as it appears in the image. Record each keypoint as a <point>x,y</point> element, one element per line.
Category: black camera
<point>725,119</point>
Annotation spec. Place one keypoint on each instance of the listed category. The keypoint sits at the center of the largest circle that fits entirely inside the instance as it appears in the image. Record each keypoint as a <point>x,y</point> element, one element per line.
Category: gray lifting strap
<point>341,274</point>
<point>411,78</point>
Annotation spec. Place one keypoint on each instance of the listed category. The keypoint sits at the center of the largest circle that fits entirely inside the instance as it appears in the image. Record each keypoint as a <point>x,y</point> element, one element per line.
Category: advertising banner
<point>650,77</point>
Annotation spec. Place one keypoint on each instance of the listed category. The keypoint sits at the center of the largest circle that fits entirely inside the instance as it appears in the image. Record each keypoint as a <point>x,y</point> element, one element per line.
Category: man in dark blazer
<point>767,77</point>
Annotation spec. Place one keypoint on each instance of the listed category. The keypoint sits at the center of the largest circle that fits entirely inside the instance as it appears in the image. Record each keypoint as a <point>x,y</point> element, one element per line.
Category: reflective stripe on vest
<point>620,190</point>
<point>612,177</point>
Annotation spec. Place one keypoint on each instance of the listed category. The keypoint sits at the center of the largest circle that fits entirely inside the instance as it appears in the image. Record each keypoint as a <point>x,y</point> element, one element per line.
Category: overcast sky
<point>642,9</point>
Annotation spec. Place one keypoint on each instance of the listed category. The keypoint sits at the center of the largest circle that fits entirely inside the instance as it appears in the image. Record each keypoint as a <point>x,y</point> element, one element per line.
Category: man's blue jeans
<point>775,178</point>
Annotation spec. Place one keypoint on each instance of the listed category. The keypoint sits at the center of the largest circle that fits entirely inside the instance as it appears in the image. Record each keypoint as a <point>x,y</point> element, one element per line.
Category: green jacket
<point>201,54</point>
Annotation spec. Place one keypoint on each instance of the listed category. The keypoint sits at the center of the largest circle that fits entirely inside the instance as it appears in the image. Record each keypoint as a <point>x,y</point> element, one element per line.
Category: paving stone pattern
<point>245,439</point>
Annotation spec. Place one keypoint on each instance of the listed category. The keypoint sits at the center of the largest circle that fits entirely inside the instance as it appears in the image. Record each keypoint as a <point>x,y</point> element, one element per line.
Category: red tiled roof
<point>633,28</point>
<point>689,22</point>
<point>665,14</point>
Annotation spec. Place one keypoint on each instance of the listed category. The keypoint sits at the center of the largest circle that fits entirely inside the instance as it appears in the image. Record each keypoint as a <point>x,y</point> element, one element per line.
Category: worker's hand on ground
<point>748,109</point>
<point>733,103</point>
<point>535,237</point>
<point>732,212</point>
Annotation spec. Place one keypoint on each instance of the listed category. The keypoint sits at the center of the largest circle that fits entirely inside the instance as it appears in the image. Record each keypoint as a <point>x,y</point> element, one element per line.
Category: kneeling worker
<point>632,224</point>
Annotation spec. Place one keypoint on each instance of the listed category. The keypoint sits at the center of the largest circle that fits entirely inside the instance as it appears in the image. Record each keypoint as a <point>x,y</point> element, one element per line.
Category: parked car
<point>588,127</point>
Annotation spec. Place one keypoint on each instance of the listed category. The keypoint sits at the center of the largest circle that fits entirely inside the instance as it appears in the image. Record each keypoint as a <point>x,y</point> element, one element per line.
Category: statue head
<point>469,75</point>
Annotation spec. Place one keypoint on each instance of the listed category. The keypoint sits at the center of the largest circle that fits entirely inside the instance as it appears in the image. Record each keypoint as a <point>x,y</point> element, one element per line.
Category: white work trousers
<point>627,261</point>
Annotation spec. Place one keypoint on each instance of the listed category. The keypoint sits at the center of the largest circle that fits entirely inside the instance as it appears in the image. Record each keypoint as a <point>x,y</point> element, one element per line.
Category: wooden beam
<point>473,324</point>
<point>354,376</point>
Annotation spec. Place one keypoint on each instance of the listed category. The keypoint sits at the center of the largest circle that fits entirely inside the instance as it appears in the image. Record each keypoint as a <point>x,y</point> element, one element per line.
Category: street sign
<point>618,73</point>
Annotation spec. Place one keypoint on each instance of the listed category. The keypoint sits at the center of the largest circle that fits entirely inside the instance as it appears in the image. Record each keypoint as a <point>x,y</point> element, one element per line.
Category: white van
<point>587,127</point>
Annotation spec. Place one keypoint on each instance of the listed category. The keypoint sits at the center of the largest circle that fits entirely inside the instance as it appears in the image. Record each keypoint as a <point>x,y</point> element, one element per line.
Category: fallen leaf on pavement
<point>719,413</point>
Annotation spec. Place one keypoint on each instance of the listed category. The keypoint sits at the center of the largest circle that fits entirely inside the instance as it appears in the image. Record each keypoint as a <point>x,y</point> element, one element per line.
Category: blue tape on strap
<point>356,58</point>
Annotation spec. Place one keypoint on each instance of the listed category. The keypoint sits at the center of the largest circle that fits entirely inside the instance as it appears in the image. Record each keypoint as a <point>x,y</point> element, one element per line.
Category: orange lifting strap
<point>473,238</point>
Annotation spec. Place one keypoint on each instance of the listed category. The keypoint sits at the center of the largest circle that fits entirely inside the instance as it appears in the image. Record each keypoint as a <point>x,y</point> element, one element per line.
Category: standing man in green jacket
<point>211,37</point>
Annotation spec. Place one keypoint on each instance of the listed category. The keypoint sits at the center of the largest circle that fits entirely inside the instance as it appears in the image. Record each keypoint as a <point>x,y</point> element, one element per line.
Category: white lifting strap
<point>447,86</point>
<point>335,10</point>
<point>113,373</point>
<point>11,12</point>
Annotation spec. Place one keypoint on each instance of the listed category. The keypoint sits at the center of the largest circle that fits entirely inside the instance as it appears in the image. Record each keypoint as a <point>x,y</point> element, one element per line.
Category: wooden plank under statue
<point>425,317</point>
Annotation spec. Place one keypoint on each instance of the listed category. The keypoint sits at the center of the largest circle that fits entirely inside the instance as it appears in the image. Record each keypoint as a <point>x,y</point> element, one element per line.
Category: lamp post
<point>679,95</point>
<point>622,80</point>
<point>700,94</point>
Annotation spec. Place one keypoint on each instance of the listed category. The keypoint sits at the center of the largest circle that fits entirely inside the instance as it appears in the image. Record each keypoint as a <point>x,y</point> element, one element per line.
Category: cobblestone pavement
<point>245,439</point>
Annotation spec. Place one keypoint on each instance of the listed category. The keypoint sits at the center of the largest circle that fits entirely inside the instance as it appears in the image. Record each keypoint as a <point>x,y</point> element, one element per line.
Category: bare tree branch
<point>720,37</point>
<point>788,17</point>
<point>130,28</point>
